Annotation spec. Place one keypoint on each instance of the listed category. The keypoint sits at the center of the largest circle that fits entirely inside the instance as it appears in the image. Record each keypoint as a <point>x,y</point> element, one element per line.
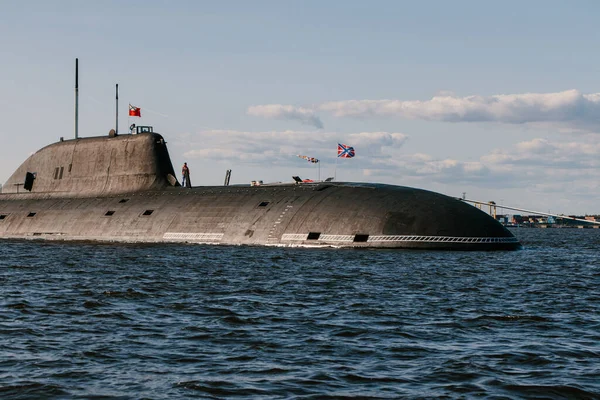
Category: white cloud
<point>571,109</point>
<point>543,153</point>
<point>427,169</point>
<point>281,147</point>
<point>376,144</point>
<point>306,116</point>
<point>522,174</point>
<point>570,105</point>
<point>527,165</point>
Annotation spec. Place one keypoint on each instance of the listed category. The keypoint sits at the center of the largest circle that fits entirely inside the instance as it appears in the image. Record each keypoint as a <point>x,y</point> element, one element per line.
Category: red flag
<point>134,111</point>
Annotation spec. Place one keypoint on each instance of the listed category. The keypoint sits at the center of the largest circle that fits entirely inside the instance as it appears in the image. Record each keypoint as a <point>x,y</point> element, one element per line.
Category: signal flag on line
<point>309,159</point>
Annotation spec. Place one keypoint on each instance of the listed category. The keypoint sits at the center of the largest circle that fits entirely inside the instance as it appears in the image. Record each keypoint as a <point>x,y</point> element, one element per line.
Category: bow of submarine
<point>379,215</point>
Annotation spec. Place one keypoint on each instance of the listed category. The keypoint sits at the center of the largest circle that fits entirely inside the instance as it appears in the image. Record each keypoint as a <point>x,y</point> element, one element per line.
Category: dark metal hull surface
<point>322,214</point>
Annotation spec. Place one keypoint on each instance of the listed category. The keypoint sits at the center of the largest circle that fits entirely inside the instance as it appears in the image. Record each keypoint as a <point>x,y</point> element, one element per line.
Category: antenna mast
<point>76,98</point>
<point>117,111</point>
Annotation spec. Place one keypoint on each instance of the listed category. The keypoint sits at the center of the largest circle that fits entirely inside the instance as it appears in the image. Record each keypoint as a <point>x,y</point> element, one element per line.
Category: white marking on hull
<point>401,238</point>
<point>441,239</point>
<point>196,237</point>
<point>271,238</point>
<point>294,236</point>
<point>336,238</point>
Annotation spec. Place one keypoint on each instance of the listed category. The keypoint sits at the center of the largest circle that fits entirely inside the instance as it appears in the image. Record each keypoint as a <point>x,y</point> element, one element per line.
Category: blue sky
<point>496,99</point>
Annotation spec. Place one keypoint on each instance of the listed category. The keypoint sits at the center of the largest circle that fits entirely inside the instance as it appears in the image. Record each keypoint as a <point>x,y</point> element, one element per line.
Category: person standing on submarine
<point>185,172</point>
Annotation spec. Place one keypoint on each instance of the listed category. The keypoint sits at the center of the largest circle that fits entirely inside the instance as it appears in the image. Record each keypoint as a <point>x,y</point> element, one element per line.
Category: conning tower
<point>94,166</point>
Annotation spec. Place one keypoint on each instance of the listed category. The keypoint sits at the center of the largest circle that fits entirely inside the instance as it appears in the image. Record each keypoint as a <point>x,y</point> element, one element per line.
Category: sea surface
<point>162,321</point>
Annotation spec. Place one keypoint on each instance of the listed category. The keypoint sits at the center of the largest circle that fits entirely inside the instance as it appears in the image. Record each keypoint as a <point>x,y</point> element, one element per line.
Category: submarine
<point>123,188</point>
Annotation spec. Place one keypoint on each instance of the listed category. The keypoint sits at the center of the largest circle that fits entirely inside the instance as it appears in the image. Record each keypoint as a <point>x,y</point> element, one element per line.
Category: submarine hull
<point>123,188</point>
<point>310,215</point>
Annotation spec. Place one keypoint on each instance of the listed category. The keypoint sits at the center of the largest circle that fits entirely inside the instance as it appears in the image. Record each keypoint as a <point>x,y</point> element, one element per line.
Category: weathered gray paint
<point>97,166</point>
<point>107,171</point>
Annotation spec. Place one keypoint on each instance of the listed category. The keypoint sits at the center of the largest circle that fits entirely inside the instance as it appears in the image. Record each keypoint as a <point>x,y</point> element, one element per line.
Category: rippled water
<point>179,321</point>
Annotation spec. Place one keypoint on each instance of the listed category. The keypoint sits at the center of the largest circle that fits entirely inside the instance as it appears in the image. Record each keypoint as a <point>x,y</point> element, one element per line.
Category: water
<point>192,321</point>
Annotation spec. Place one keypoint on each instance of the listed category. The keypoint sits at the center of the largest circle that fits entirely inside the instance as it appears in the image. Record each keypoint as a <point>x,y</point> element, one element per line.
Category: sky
<point>491,100</point>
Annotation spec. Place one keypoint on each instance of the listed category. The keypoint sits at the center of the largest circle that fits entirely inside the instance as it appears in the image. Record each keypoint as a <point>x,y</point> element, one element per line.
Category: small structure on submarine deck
<point>123,188</point>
